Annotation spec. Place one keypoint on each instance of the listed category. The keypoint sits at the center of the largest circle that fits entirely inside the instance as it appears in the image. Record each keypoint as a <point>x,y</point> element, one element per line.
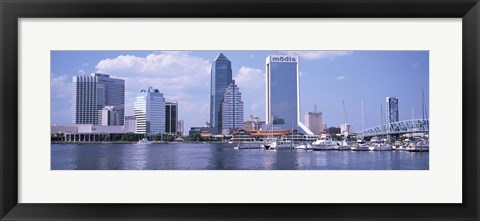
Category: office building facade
<point>92,93</point>
<point>392,110</point>
<point>108,116</point>
<point>149,110</point>
<point>130,124</point>
<point>314,122</point>
<point>181,128</point>
<point>171,117</point>
<point>221,78</point>
<point>282,94</point>
<point>232,109</point>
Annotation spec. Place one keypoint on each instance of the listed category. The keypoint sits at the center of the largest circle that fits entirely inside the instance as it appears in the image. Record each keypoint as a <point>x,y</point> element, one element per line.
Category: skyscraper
<point>130,124</point>
<point>171,117</point>
<point>180,128</point>
<point>108,116</point>
<point>232,109</point>
<point>221,78</point>
<point>149,110</point>
<point>392,110</point>
<point>92,93</point>
<point>282,93</point>
<point>313,121</point>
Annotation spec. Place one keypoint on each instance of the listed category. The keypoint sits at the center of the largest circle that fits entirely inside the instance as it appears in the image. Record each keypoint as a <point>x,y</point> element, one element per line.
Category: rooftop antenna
<point>363,122</point>
<point>345,118</point>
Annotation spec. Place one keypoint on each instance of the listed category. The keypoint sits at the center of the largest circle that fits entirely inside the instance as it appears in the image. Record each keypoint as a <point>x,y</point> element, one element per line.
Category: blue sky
<point>326,78</point>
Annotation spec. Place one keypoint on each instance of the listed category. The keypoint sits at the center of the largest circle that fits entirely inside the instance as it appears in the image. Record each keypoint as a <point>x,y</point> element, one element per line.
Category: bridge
<point>397,128</point>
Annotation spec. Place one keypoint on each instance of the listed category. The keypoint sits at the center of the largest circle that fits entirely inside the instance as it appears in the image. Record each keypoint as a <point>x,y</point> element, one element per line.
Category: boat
<point>144,141</point>
<point>419,146</point>
<point>379,145</point>
<point>360,145</point>
<point>325,143</point>
<point>249,145</point>
<point>279,145</point>
<point>343,145</point>
<point>303,146</point>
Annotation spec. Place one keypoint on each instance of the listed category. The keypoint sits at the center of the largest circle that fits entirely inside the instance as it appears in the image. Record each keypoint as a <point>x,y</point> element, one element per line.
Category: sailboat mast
<point>363,122</point>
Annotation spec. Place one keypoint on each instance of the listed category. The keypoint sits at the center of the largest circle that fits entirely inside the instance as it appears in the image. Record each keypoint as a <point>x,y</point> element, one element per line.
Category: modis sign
<point>279,58</point>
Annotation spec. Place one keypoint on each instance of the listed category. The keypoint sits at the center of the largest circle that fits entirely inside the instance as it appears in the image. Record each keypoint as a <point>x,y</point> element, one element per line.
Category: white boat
<point>144,141</point>
<point>303,146</point>
<point>379,145</point>
<point>249,145</point>
<point>419,146</point>
<point>343,145</point>
<point>360,145</point>
<point>281,145</point>
<point>325,143</point>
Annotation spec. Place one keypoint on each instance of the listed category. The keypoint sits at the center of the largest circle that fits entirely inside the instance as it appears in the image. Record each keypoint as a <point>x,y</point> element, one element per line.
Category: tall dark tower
<point>221,77</point>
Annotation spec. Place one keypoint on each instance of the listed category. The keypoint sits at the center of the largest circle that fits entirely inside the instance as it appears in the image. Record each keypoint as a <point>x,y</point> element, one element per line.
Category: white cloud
<point>60,87</point>
<point>250,78</point>
<point>340,77</point>
<point>81,72</point>
<point>178,75</point>
<point>251,82</point>
<point>314,55</point>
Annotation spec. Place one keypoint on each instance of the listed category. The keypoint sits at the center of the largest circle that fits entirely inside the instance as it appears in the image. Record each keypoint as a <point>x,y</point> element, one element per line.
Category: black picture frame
<point>12,10</point>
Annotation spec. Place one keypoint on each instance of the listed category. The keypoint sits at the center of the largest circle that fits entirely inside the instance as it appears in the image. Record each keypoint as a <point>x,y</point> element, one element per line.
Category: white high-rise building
<point>149,109</point>
<point>94,92</point>
<point>346,129</point>
<point>108,116</point>
<point>313,120</point>
<point>180,127</point>
<point>232,109</point>
<point>130,124</point>
<point>282,94</point>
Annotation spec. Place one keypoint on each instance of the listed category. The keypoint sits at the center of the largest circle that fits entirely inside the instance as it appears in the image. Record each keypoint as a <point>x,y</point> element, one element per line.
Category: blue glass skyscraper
<point>392,111</point>
<point>221,78</point>
<point>283,99</point>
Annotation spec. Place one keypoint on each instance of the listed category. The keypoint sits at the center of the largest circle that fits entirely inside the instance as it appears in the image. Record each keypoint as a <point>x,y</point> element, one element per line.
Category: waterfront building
<point>232,109</point>
<point>171,117</point>
<point>254,123</point>
<point>86,132</point>
<point>392,111</point>
<point>346,128</point>
<point>313,121</point>
<point>130,124</point>
<point>149,109</point>
<point>180,127</point>
<point>198,130</point>
<point>333,130</point>
<point>94,92</point>
<point>221,78</point>
<point>109,115</point>
<point>282,94</point>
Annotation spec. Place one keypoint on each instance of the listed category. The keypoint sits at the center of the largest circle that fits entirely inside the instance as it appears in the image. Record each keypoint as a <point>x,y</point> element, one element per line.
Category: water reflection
<point>189,156</point>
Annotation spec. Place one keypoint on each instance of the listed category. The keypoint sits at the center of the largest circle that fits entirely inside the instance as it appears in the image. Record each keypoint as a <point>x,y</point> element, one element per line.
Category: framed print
<point>239,110</point>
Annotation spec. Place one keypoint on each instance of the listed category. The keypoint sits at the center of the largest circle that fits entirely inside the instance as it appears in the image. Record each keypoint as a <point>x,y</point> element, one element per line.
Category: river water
<point>210,156</point>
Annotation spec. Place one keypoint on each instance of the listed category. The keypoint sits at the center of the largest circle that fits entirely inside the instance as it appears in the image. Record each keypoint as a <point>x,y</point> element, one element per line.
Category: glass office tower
<point>149,110</point>
<point>221,77</point>
<point>92,93</point>
<point>171,117</point>
<point>392,110</point>
<point>282,85</point>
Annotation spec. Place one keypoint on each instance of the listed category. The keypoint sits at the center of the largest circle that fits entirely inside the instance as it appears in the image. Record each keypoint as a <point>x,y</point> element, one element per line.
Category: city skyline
<point>326,78</point>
